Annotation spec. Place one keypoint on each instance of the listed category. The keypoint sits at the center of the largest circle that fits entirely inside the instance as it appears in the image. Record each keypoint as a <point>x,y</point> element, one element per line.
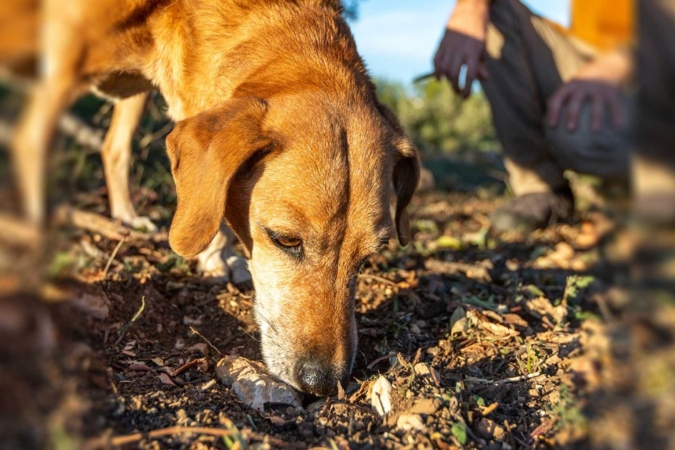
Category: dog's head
<point>307,189</point>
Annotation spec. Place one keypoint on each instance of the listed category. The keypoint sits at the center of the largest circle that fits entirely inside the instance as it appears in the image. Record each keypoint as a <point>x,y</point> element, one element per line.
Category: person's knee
<point>605,153</point>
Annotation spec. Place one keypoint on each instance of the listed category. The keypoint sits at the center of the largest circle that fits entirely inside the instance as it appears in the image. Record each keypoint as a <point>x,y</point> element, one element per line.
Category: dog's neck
<point>268,48</point>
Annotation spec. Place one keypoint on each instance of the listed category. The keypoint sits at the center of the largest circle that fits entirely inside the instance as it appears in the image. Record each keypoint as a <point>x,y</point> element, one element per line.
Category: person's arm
<point>600,82</point>
<point>464,44</point>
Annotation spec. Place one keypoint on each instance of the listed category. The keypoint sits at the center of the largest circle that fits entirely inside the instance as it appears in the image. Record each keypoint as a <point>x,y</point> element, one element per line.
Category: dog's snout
<point>316,378</point>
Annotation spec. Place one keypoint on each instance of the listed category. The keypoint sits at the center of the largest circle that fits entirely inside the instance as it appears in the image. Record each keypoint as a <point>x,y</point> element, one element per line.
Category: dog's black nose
<point>316,378</point>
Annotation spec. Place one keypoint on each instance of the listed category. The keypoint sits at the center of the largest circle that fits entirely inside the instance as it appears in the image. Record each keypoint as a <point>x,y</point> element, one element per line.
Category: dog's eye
<point>288,242</point>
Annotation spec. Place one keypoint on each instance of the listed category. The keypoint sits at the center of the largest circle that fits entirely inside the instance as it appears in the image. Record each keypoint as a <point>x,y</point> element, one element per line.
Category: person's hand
<point>464,44</point>
<point>600,83</point>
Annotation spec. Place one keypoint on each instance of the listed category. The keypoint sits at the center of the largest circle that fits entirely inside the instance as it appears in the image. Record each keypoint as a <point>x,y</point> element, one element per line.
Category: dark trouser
<point>653,164</point>
<point>528,59</point>
<point>654,157</point>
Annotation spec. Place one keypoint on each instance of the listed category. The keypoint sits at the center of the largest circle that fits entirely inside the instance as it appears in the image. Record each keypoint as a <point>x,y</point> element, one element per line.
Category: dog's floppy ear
<point>206,151</point>
<point>406,174</point>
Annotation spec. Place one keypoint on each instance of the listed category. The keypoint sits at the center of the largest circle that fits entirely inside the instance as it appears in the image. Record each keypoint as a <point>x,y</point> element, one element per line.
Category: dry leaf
<point>165,379</point>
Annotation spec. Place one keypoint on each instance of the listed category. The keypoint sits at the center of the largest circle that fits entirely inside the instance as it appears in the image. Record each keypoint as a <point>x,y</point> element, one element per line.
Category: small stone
<point>426,406</point>
<point>200,347</point>
<point>95,304</point>
<point>316,406</point>
<point>165,379</point>
<point>190,321</point>
<point>489,429</point>
<point>277,421</point>
<point>253,385</point>
<point>422,369</point>
<point>381,396</point>
<point>458,322</point>
<point>409,422</point>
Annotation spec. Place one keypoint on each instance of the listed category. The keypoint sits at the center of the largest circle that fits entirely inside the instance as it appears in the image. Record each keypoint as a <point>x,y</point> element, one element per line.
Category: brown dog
<point>279,133</point>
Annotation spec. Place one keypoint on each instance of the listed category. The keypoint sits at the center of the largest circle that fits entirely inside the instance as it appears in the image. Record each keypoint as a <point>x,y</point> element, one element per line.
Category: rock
<point>316,406</point>
<point>422,369</point>
<point>458,322</point>
<point>489,429</point>
<point>426,406</point>
<point>94,304</point>
<point>165,379</point>
<point>381,396</point>
<point>409,422</point>
<point>200,347</point>
<point>541,307</point>
<point>250,381</point>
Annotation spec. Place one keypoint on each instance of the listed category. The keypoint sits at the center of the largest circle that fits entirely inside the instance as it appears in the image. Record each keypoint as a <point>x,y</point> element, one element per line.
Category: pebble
<point>410,422</point>
<point>250,381</point>
<point>489,429</point>
<point>381,399</point>
<point>426,406</point>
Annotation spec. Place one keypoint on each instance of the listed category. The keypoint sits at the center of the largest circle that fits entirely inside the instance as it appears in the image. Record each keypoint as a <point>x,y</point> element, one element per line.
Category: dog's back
<point>19,29</point>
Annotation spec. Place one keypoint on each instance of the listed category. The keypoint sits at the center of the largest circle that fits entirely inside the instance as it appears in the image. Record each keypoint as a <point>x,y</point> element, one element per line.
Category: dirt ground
<point>498,342</point>
<point>487,343</point>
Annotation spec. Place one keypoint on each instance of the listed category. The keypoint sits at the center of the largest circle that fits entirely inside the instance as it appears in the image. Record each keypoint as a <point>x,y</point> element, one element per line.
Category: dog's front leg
<point>116,155</point>
<point>218,260</point>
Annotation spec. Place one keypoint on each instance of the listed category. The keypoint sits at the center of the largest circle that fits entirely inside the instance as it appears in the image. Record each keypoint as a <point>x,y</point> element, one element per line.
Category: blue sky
<point>398,38</point>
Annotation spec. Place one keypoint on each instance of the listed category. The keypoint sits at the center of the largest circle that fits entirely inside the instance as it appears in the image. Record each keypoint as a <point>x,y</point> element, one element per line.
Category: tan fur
<point>279,132</point>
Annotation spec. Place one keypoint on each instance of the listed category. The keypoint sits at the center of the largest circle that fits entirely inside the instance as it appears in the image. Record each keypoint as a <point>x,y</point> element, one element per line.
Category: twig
<point>488,409</point>
<point>379,360</point>
<point>123,330</point>
<point>205,340</point>
<point>509,380</point>
<point>15,231</point>
<point>186,366</point>
<point>65,215</point>
<point>424,77</point>
<point>376,278</point>
<point>76,128</point>
<point>128,439</point>
<point>81,132</point>
<point>151,137</point>
<point>112,256</point>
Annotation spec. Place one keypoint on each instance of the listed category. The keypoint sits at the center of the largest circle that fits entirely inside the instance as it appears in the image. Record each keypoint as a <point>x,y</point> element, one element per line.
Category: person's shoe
<point>530,212</point>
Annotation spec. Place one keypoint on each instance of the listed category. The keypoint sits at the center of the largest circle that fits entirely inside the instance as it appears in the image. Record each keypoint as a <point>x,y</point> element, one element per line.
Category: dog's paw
<point>234,269</point>
<point>141,223</point>
<point>238,270</point>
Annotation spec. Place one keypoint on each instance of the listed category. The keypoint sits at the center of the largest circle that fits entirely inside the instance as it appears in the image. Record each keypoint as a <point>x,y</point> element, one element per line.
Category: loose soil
<point>487,343</point>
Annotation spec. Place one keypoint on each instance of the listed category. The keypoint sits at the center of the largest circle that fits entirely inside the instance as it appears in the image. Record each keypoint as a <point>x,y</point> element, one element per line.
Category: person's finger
<point>438,70</point>
<point>616,109</point>
<point>441,69</point>
<point>443,57</point>
<point>556,103</point>
<point>455,70</point>
<point>574,105</point>
<point>471,73</point>
<point>597,111</point>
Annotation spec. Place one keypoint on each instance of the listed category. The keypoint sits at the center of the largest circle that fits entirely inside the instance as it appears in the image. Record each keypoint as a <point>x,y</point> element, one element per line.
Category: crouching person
<point>558,96</point>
